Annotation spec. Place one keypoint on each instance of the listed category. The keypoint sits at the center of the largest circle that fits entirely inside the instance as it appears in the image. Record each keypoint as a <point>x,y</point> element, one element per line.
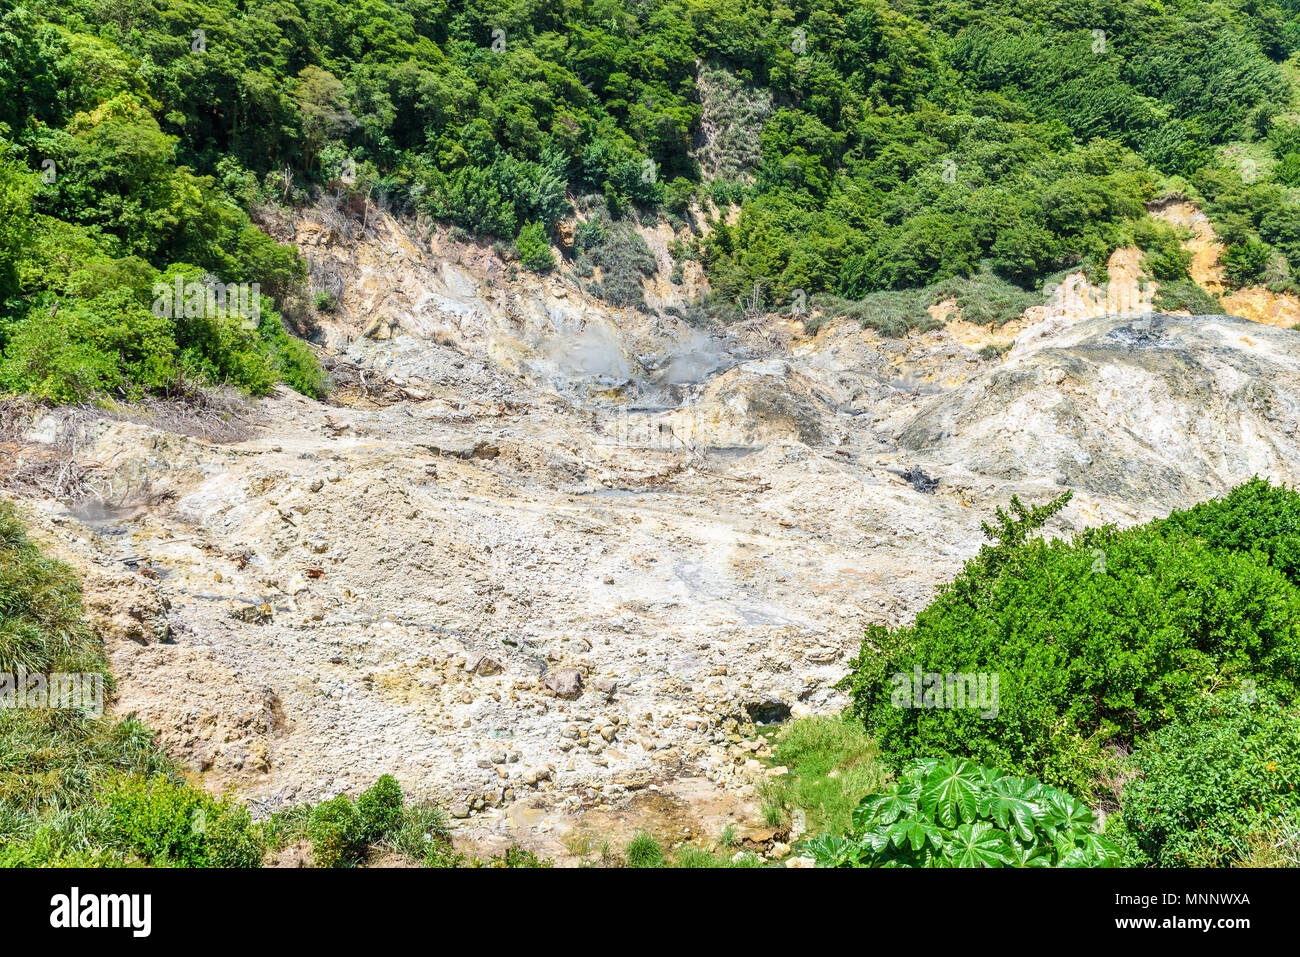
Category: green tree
<point>323,106</point>
<point>17,188</point>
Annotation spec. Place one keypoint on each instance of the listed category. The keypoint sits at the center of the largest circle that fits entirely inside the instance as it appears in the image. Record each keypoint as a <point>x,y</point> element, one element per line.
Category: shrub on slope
<point>1093,642</point>
<point>1210,781</point>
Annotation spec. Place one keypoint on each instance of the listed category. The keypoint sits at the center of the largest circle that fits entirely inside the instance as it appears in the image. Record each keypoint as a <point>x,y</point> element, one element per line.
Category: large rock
<point>482,665</point>
<point>1161,409</point>
<point>565,682</point>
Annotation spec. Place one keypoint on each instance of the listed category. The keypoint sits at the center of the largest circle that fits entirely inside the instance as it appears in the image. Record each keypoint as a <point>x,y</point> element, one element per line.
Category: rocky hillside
<point>549,560</point>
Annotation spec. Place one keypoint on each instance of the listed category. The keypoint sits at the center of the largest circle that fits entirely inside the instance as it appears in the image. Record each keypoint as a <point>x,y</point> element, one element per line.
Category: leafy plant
<point>1256,517</point>
<point>1094,641</point>
<point>954,813</point>
<point>380,809</point>
<point>1164,259</point>
<point>337,833</point>
<point>167,822</point>
<point>1245,263</point>
<point>1208,782</point>
<point>534,248</point>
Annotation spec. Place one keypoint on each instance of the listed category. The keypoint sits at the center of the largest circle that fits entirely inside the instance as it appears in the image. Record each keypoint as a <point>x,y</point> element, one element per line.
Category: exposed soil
<point>514,483</point>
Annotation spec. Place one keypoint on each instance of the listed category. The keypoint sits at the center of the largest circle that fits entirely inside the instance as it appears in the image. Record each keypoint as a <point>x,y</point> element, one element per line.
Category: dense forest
<point>862,146</point>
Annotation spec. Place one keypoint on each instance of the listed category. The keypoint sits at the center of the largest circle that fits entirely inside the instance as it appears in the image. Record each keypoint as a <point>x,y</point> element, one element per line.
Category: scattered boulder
<point>482,665</point>
<point>767,710</point>
<point>565,682</point>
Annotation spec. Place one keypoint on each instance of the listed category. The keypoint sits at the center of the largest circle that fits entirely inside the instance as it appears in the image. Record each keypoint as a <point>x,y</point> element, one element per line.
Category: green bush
<point>116,340</point>
<point>1094,641</point>
<point>1255,517</point>
<point>620,252</point>
<point>1164,259</point>
<point>1245,263</point>
<point>1185,294</point>
<point>170,823</point>
<point>291,359</point>
<point>1224,770</point>
<point>111,344</point>
<point>232,838</point>
<point>337,833</point>
<point>954,813</point>
<point>534,248</point>
<point>380,809</point>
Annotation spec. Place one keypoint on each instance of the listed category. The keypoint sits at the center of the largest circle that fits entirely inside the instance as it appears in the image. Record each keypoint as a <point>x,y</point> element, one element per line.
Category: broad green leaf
<point>951,792</point>
<point>1076,857</point>
<point>963,815</point>
<point>1104,850</point>
<point>978,844</point>
<point>1003,802</point>
<point>830,851</point>
<point>1065,811</point>
<point>899,832</point>
<point>881,809</point>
